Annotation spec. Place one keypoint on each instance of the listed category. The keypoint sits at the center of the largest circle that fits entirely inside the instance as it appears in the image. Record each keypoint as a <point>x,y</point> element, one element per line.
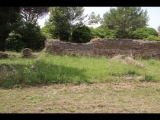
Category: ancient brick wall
<point>106,47</point>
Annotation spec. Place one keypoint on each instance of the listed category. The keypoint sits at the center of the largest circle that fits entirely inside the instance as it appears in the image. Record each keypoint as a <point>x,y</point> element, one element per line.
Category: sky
<point>153,13</point>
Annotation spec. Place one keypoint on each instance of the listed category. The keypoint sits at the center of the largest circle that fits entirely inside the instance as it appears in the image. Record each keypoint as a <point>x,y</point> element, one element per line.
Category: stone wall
<point>106,47</point>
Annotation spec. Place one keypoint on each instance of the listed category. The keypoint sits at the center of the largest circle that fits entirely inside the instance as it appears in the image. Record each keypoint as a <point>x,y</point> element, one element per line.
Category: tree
<point>125,20</point>
<point>31,35</point>
<point>28,29</point>
<point>158,30</point>
<point>31,14</point>
<point>14,42</point>
<point>142,33</point>
<point>65,20</point>
<point>8,17</point>
<point>94,19</point>
<point>47,31</point>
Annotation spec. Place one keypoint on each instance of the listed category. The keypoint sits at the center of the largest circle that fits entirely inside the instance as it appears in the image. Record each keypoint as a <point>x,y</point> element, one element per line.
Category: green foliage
<point>65,20</point>
<point>8,17</point>
<point>81,35</point>
<point>158,28</point>
<point>94,19</point>
<point>152,37</point>
<point>125,20</point>
<point>31,35</point>
<point>49,69</point>
<point>101,32</point>
<point>14,42</point>
<point>47,31</point>
<point>148,78</point>
<point>142,33</point>
<point>31,14</point>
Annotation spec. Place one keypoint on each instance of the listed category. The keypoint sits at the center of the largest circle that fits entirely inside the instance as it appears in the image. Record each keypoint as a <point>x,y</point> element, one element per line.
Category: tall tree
<point>8,16</point>
<point>94,19</point>
<point>158,30</point>
<point>65,20</point>
<point>28,27</point>
<point>32,14</point>
<point>125,20</point>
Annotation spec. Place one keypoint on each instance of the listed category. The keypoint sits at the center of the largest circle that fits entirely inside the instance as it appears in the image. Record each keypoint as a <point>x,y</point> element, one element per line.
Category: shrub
<point>47,31</point>
<point>152,37</point>
<point>143,33</point>
<point>14,42</point>
<point>81,35</point>
<point>100,32</point>
<point>31,35</point>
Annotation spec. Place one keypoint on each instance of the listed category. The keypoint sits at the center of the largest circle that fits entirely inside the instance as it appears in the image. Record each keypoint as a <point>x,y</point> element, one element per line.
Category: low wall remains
<point>106,47</point>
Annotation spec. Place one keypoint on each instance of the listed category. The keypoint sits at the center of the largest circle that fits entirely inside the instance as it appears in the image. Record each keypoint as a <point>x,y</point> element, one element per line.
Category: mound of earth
<point>128,60</point>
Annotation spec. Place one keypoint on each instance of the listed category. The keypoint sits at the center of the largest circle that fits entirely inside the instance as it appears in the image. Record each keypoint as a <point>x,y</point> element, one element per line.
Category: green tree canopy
<point>94,19</point>
<point>125,20</point>
<point>27,31</point>
<point>65,20</point>
<point>47,31</point>
<point>31,14</point>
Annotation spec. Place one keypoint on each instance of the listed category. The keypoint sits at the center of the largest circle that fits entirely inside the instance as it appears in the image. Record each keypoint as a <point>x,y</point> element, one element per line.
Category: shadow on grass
<point>42,73</point>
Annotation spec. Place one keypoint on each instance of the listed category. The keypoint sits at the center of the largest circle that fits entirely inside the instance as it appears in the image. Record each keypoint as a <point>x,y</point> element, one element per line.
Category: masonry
<point>106,47</point>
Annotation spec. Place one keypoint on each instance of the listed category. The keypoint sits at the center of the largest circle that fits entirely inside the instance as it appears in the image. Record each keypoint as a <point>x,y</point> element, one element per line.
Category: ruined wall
<point>106,47</point>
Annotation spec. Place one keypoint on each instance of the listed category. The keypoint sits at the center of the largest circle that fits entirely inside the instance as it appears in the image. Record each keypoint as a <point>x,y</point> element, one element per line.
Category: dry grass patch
<point>128,60</point>
<point>113,97</point>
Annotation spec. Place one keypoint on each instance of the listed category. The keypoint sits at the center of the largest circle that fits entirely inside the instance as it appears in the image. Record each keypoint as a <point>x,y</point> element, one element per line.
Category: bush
<point>110,34</point>
<point>47,31</point>
<point>152,37</point>
<point>143,33</point>
<point>81,35</point>
<point>31,35</point>
<point>100,32</point>
<point>15,42</point>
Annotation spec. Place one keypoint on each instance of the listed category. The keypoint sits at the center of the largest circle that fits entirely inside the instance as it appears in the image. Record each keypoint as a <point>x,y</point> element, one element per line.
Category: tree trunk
<point>2,44</point>
<point>3,38</point>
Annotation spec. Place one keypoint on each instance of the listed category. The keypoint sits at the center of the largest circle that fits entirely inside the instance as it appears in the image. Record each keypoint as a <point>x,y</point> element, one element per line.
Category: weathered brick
<point>106,47</point>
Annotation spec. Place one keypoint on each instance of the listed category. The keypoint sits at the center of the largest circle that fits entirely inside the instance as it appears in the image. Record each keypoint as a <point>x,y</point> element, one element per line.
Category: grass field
<point>48,69</point>
<point>109,97</point>
<point>59,84</point>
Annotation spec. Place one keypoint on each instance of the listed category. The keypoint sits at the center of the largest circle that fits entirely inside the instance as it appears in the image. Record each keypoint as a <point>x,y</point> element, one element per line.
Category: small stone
<point>3,55</point>
<point>27,52</point>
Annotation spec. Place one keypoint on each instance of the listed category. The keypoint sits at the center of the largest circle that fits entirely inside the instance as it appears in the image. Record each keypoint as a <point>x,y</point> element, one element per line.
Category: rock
<point>27,52</point>
<point>3,55</point>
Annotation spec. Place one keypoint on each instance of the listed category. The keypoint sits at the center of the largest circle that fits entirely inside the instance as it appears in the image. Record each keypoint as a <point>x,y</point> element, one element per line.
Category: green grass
<point>49,69</point>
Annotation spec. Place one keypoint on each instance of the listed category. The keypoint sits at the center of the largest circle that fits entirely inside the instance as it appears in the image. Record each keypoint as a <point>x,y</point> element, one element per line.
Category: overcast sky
<point>153,13</point>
